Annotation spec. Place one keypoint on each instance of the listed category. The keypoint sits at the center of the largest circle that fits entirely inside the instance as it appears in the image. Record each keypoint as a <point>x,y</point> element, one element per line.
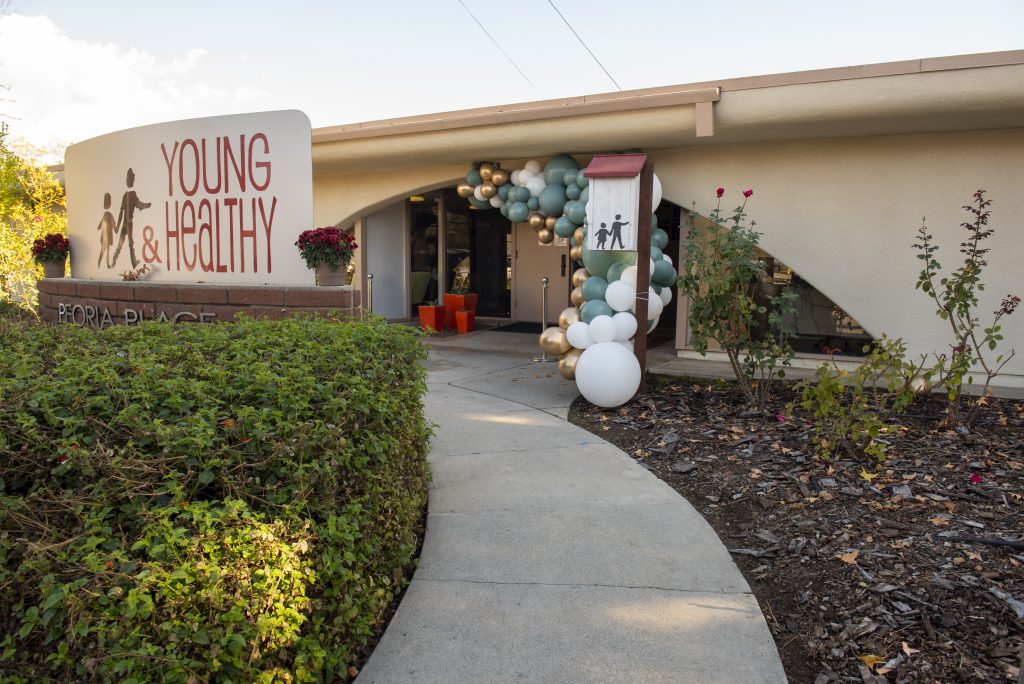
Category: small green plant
<point>719,276</point>
<point>956,299</point>
<point>851,410</point>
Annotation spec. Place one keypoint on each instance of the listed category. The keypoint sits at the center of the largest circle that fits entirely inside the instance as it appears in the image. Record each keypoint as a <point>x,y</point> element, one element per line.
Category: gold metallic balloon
<point>486,170</point>
<point>545,236</point>
<point>568,317</point>
<point>536,221</point>
<point>567,363</point>
<point>578,235</point>
<point>554,341</point>
<point>464,190</point>
<point>576,253</point>
<point>578,276</point>
<point>576,297</point>
<point>488,189</point>
<point>549,222</point>
<point>499,176</point>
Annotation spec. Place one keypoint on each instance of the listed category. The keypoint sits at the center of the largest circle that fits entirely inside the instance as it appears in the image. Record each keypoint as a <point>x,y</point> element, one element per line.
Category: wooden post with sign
<point>622,187</point>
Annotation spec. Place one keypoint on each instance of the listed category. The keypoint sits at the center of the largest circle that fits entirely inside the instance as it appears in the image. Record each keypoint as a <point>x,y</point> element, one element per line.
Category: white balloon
<point>625,325</point>
<point>602,329</point>
<point>533,166</point>
<point>578,335</point>
<point>620,295</point>
<point>628,344</point>
<point>666,295</point>
<point>650,273</point>
<point>654,304</point>
<point>628,276</point>
<point>514,177</point>
<point>524,177</point>
<point>653,325</point>
<point>536,185</point>
<point>607,374</point>
<point>476,193</point>
<point>666,257</point>
<point>656,192</point>
<point>495,202</point>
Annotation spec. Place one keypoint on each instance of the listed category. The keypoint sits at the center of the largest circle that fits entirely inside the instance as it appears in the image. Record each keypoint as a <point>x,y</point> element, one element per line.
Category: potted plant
<point>52,252</point>
<point>459,299</point>
<point>431,316</point>
<point>327,250</point>
<point>464,321</point>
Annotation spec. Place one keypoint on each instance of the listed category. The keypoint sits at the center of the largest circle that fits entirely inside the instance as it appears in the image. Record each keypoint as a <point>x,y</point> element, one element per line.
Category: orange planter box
<point>458,302</point>
<point>432,318</point>
<point>464,321</point>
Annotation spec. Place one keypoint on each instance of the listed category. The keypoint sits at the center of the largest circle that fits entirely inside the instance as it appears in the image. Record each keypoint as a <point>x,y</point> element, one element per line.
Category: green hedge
<point>229,502</point>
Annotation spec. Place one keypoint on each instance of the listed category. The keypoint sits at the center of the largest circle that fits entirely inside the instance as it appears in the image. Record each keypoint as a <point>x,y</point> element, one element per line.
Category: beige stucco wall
<point>844,214</point>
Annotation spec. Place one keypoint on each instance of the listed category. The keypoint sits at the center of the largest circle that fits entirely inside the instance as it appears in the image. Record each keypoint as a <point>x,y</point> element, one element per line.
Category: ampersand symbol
<point>150,247</point>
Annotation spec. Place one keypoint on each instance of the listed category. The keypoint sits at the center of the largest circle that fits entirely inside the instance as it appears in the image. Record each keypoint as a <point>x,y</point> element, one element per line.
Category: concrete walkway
<point>550,555</point>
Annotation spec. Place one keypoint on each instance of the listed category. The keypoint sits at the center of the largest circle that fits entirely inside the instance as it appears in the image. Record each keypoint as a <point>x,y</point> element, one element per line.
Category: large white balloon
<point>536,185</point>
<point>656,193</point>
<point>628,276</point>
<point>654,304</point>
<point>578,335</point>
<point>627,344</point>
<point>476,193</point>
<point>666,296</point>
<point>620,295</point>
<point>533,166</point>
<point>495,202</point>
<point>524,177</point>
<point>514,177</point>
<point>602,329</point>
<point>625,325</point>
<point>607,374</point>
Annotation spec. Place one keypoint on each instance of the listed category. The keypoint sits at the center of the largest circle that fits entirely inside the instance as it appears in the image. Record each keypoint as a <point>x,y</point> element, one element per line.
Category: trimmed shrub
<point>205,502</point>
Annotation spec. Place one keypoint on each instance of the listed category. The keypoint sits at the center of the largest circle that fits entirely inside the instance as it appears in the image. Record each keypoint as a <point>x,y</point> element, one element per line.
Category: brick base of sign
<point>101,303</point>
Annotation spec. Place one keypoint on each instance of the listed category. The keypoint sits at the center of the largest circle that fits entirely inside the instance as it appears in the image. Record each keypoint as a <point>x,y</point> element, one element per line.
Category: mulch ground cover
<point>907,570</point>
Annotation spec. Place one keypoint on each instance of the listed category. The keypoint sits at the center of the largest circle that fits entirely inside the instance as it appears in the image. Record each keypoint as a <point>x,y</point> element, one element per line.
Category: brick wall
<point>99,303</point>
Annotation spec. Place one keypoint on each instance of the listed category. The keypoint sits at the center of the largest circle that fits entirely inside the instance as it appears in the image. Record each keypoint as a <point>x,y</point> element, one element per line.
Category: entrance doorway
<point>531,262</point>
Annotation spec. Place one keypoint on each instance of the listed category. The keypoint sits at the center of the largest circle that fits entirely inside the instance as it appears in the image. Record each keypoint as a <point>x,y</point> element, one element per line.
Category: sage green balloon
<point>594,308</point>
<point>594,287</point>
<point>569,178</point>
<point>474,178</point>
<point>656,254</point>
<point>654,221</point>
<point>557,167</point>
<point>582,180</point>
<point>519,194</point>
<point>573,191</point>
<point>659,238</point>
<point>656,288</point>
<point>552,199</point>
<point>564,227</point>
<point>533,203</point>
<point>598,262</point>
<point>615,271</point>
<point>576,211</point>
<point>664,273</point>
<point>585,194</point>
<point>504,190</point>
<point>518,212</point>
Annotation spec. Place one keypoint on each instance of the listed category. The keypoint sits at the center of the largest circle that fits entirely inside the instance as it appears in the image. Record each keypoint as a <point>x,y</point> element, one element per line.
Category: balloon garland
<point>594,337</point>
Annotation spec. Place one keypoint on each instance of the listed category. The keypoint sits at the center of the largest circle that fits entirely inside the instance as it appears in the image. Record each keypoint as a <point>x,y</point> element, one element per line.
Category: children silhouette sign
<point>613,211</point>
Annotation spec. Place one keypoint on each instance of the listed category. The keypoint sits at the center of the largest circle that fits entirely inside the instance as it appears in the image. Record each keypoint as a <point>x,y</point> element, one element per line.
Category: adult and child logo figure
<point>616,233</point>
<point>122,227</point>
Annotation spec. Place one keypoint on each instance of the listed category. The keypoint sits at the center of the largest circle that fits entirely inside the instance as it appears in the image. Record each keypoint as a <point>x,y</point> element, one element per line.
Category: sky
<point>76,69</point>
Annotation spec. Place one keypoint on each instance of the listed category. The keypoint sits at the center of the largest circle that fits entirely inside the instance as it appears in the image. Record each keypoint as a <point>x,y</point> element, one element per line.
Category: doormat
<point>520,327</point>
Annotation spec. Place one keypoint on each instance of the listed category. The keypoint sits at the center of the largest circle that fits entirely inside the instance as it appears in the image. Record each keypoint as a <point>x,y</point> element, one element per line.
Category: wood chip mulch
<point>907,570</point>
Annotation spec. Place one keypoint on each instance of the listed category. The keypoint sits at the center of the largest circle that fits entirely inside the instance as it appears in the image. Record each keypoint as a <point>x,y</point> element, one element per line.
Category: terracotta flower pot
<point>432,318</point>
<point>330,276</point>
<point>457,302</point>
<point>53,269</point>
<point>464,321</point>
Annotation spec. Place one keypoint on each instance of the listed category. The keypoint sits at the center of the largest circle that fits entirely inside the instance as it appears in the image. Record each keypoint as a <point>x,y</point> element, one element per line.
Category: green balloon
<point>656,288</point>
<point>659,238</point>
<point>474,178</point>
<point>569,178</point>
<point>594,308</point>
<point>504,208</point>
<point>552,199</point>
<point>518,212</point>
<point>503,191</point>
<point>585,194</point>
<point>475,166</point>
<point>573,191</point>
<point>582,180</point>
<point>533,203</point>
<point>594,287</point>
<point>599,262</point>
<point>615,271</point>
<point>656,253</point>
<point>576,211</point>
<point>519,194</point>
<point>564,227</point>
<point>556,168</point>
<point>664,273</point>
<point>654,221</point>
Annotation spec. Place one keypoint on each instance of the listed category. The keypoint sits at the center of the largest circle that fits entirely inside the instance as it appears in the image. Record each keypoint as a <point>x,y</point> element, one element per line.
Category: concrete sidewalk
<point>550,555</point>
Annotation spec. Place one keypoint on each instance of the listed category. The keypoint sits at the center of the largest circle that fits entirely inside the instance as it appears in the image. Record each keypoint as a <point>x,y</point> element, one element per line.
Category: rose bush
<point>328,245</point>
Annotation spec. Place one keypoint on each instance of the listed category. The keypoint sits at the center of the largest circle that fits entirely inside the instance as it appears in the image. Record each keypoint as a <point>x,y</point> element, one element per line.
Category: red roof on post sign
<point>615,165</point>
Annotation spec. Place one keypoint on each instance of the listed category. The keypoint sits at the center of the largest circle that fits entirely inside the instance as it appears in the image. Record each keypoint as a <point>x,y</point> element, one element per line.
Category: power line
<point>497,45</point>
<point>550,2</point>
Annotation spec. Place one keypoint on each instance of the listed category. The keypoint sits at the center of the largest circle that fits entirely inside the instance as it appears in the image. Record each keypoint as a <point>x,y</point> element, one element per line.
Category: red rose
<point>720,192</point>
<point>748,193</point>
